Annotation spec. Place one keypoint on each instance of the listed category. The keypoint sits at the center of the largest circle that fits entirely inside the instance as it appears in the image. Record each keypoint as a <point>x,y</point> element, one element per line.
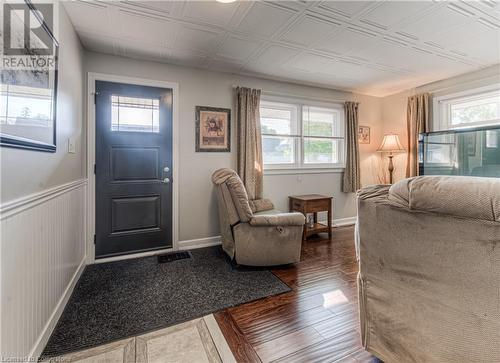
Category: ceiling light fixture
<point>225,1</point>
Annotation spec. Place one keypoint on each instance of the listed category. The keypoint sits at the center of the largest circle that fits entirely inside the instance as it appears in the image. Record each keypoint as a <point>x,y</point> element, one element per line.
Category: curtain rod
<point>303,97</point>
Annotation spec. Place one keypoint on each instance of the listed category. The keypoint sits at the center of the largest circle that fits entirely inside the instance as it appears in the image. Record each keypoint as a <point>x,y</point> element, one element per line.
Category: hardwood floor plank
<point>318,321</point>
<point>287,344</point>
<point>276,324</point>
<point>338,325</point>
<point>293,300</point>
<point>242,350</point>
<point>329,350</point>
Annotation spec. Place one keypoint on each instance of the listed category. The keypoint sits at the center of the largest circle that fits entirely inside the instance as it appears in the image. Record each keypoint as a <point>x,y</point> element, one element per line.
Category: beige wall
<point>394,121</point>
<point>198,212</point>
<point>394,106</point>
<point>370,114</point>
<point>24,172</point>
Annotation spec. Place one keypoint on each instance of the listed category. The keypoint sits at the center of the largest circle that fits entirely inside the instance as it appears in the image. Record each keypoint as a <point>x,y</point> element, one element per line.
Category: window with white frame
<point>480,107</point>
<point>302,136</point>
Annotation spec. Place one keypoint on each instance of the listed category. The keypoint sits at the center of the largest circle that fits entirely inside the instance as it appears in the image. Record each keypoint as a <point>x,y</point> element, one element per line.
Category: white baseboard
<point>132,256</point>
<point>182,245</point>
<point>344,221</point>
<point>56,314</point>
<point>216,240</point>
<point>341,222</point>
<point>199,243</point>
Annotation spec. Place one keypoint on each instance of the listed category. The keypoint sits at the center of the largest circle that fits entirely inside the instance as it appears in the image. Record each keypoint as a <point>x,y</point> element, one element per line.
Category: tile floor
<point>196,341</point>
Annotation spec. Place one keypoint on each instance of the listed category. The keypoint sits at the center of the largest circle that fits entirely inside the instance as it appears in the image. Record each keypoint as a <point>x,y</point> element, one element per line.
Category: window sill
<point>297,171</point>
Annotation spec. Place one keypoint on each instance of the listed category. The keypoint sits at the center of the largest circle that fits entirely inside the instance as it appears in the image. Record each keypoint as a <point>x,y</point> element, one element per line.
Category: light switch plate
<point>71,146</point>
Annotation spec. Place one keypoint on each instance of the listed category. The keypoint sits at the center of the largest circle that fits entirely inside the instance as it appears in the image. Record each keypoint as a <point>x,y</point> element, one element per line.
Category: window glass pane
<point>492,139</point>
<point>278,150</point>
<point>322,151</point>
<point>440,154</point>
<point>482,108</point>
<point>27,112</point>
<point>278,118</point>
<point>440,150</point>
<point>134,114</point>
<point>321,122</point>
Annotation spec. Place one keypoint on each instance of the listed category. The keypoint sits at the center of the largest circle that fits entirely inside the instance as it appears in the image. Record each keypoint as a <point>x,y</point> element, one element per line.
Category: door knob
<point>166,169</point>
<point>166,181</point>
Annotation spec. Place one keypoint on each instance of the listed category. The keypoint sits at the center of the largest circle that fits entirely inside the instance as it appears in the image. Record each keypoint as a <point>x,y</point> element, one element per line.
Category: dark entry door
<point>133,168</point>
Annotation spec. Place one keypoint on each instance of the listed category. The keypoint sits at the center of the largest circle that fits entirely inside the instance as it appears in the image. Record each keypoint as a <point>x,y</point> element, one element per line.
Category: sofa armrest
<point>280,219</point>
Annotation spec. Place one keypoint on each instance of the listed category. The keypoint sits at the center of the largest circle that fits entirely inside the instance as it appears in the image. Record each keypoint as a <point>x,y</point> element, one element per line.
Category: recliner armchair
<point>252,232</point>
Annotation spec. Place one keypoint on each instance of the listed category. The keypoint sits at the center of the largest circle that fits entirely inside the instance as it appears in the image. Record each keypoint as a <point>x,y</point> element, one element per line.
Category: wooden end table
<point>312,203</point>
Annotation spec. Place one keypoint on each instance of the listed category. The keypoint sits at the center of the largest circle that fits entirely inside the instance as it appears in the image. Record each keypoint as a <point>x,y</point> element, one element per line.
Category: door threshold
<point>133,255</point>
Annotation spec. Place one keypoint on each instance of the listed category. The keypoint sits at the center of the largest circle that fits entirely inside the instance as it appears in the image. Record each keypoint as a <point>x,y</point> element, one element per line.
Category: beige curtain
<point>351,182</point>
<point>417,121</point>
<point>250,166</point>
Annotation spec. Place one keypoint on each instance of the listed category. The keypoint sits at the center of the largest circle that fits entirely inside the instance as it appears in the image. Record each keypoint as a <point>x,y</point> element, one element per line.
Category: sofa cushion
<point>463,196</point>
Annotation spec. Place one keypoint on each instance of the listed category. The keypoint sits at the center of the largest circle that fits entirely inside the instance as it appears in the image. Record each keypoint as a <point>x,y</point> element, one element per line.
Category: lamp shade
<point>391,144</point>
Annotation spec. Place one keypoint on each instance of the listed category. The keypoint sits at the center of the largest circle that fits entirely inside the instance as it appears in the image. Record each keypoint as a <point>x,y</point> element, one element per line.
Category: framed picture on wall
<point>363,134</point>
<point>213,129</point>
<point>28,91</point>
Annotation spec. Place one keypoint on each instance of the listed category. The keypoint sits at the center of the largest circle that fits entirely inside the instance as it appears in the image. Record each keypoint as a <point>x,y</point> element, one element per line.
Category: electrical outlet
<point>71,146</point>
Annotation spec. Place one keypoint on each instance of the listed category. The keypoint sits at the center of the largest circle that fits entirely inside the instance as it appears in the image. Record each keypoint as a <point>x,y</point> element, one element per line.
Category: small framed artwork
<point>213,129</point>
<point>363,134</point>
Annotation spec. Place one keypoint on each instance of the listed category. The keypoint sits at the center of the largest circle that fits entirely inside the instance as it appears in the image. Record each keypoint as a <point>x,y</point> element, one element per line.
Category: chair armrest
<point>280,219</point>
<point>261,205</point>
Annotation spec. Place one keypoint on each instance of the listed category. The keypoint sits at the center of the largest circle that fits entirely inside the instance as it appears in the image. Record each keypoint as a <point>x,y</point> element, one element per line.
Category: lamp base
<point>391,168</point>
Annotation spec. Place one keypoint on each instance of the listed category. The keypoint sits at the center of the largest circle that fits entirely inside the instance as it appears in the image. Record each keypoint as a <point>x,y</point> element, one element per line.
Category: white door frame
<point>91,78</point>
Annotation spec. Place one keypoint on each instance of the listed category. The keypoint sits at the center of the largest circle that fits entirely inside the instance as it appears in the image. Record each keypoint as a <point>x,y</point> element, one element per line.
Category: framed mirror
<point>28,89</point>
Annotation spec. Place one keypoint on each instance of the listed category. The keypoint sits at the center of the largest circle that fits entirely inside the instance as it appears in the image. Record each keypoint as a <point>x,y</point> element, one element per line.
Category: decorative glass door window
<point>132,114</point>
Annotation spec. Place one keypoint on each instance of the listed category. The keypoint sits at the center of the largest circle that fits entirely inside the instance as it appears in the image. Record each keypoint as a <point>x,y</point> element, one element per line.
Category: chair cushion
<point>237,190</point>
<point>259,205</point>
<point>463,196</point>
<point>278,219</point>
<point>267,212</point>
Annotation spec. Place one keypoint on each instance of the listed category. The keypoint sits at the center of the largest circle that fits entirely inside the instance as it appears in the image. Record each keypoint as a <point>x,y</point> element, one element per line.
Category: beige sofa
<point>429,280</point>
<point>252,232</point>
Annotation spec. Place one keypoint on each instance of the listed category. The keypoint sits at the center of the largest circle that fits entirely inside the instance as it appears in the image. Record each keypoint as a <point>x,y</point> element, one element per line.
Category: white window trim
<point>440,121</point>
<point>296,171</point>
<point>299,167</point>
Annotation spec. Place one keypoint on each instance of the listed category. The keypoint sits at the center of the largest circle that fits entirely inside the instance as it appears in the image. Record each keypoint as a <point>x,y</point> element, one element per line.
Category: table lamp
<point>390,144</point>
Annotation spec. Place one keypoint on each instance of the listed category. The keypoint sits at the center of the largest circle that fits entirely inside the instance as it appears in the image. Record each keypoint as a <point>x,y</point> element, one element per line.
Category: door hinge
<point>95,97</point>
<point>95,168</point>
<point>95,238</point>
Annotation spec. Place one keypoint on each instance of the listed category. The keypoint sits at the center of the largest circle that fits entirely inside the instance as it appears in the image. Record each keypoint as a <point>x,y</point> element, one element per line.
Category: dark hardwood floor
<point>315,322</point>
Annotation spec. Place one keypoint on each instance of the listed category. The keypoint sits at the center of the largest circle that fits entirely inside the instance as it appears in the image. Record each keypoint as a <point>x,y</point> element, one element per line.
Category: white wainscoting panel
<point>42,253</point>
